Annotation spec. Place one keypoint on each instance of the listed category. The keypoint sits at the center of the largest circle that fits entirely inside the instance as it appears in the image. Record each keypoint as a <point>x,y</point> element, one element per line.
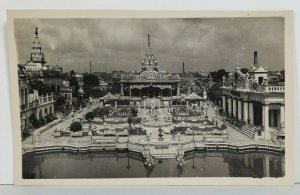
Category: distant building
<point>66,92</point>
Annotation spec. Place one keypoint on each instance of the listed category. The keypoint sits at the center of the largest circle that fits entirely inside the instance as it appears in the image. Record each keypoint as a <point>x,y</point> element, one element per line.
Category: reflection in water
<point>129,165</point>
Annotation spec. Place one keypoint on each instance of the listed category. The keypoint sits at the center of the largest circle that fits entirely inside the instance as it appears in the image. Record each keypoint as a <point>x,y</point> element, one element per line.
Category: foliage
<point>39,86</point>
<point>34,121</point>
<point>217,75</point>
<point>59,103</point>
<point>244,70</point>
<point>177,130</point>
<point>133,112</point>
<point>137,131</point>
<point>74,83</point>
<point>89,116</point>
<point>42,121</point>
<point>75,126</point>
<point>223,126</point>
<point>102,112</point>
<point>129,121</point>
<point>136,120</point>
<point>49,118</point>
<point>90,81</point>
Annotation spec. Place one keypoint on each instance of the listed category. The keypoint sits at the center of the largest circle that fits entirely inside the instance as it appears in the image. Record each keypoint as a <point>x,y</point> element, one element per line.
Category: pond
<point>129,165</point>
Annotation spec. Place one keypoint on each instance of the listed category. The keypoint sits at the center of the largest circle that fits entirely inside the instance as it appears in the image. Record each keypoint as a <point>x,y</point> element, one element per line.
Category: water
<point>128,165</point>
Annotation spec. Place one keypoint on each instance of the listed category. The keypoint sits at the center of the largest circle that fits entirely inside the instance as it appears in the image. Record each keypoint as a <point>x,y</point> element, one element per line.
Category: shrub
<point>223,126</point>
<point>34,121</point>
<point>75,126</point>
<point>42,121</point>
<point>89,116</point>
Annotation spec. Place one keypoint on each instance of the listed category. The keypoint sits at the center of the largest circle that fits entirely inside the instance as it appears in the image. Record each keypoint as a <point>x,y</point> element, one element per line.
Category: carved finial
<point>148,40</point>
<point>36,31</point>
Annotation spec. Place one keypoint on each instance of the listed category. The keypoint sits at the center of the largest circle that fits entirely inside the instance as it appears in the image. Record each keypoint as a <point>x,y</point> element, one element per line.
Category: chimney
<point>182,67</point>
<point>255,58</point>
<point>90,66</point>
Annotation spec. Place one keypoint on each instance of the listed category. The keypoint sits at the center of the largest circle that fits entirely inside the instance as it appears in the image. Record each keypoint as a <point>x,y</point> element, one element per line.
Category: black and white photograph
<point>144,97</point>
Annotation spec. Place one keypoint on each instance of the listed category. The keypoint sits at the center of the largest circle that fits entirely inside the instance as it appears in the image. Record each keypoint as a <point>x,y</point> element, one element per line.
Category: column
<point>116,104</point>
<point>272,118</point>
<point>251,119</point>
<point>282,115</point>
<point>187,103</point>
<point>234,107</point>
<point>266,120</point>
<point>129,92</point>
<point>122,89</point>
<point>178,89</point>
<point>278,119</point>
<point>229,106</point>
<point>245,111</point>
<point>239,109</point>
<point>224,103</point>
<point>266,166</point>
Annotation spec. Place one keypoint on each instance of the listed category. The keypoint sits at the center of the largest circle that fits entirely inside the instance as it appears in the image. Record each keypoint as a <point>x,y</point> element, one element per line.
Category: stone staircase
<point>249,131</point>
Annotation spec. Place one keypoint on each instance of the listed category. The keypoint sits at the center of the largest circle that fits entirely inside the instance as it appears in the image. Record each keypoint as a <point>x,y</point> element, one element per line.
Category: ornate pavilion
<point>151,86</point>
<point>151,82</point>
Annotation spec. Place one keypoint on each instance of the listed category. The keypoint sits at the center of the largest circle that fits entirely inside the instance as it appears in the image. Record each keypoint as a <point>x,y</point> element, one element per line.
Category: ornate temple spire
<point>149,40</point>
<point>37,56</point>
<point>149,62</point>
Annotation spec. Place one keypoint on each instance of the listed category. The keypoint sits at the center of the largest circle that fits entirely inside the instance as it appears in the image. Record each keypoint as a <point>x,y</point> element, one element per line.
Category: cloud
<point>203,44</point>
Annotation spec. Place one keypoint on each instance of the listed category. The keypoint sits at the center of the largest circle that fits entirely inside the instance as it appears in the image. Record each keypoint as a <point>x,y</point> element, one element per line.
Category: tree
<point>74,83</point>
<point>90,81</point>
<point>59,103</point>
<point>218,75</point>
<point>133,112</point>
<point>129,121</point>
<point>75,126</point>
<point>34,121</point>
<point>244,70</point>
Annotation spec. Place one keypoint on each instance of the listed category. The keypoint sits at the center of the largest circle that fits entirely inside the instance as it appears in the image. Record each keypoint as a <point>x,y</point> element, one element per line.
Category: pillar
<point>266,166</point>
<point>266,120</point>
<point>129,92</point>
<point>282,115</point>
<point>234,107</point>
<point>178,89</point>
<point>251,118</point>
<point>239,109</point>
<point>224,103</point>
<point>272,115</point>
<point>122,89</point>
<point>229,106</point>
<point>278,125</point>
<point>116,104</point>
<point>245,111</point>
<point>187,103</point>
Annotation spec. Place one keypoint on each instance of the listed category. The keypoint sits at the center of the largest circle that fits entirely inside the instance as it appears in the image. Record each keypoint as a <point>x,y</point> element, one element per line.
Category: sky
<point>203,44</point>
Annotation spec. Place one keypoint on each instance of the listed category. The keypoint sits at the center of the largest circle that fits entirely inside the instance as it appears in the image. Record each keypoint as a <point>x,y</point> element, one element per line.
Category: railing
<point>270,88</point>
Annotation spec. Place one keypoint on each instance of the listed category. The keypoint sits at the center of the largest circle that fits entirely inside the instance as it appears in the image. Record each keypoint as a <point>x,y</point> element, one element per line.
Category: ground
<point>46,135</point>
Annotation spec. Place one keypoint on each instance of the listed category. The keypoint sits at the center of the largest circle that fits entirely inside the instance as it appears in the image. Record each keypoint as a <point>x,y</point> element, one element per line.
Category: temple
<point>150,82</point>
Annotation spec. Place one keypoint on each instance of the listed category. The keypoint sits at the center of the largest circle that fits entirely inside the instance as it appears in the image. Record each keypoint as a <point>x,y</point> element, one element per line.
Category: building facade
<point>249,97</point>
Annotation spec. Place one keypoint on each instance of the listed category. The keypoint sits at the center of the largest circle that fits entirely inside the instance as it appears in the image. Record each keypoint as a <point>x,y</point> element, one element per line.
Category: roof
<point>108,96</point>
<point>193,96</point>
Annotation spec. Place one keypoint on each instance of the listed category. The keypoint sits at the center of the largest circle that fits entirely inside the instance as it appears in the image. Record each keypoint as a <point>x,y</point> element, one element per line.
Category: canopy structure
<point>193,96</point>
<point>109,96</point>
